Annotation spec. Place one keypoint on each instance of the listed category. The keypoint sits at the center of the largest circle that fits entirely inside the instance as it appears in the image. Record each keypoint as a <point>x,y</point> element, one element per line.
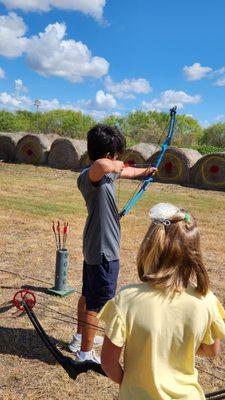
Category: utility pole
<point>37,104</point>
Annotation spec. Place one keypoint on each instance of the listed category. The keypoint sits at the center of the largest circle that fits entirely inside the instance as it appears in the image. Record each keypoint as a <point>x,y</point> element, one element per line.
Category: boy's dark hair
<point>104,140</point>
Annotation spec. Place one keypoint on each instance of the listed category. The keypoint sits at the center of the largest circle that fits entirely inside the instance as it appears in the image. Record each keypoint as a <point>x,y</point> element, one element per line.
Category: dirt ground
<point>30,198</point>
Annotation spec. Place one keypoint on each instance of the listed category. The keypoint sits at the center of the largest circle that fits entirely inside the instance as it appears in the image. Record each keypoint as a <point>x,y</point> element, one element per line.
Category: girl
<point>166,320</point>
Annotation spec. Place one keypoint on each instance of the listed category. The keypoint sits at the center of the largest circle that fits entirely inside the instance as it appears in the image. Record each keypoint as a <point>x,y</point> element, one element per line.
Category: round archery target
<point>30,152</point>
<point>138,154</point>
<point>171,169</point>
<point>213,171</point>
<point>209,172</point>
<point>175,165</point>
<point>130,157</point>
<point>33,148</point>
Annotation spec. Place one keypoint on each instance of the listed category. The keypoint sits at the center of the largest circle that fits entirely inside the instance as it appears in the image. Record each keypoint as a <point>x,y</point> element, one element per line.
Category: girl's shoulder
<point>210,302</point>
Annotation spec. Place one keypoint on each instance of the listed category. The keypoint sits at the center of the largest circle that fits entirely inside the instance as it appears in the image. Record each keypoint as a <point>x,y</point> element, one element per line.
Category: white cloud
<point>2,73</point>
<point>196,72</point>
<point>102,105</point>
<point>220,82</point>
<point>104,100</point>
<point>219,71</point>
<point>89,7</point>
<point>220,117</point>
<point>13,102</point>
<point>127,89</point>
<point>170,98</point>
<point>50,55</point>
<point>48,105</point>
<point>19,86</point>
<point>12,31</point>
<point>205,123</point>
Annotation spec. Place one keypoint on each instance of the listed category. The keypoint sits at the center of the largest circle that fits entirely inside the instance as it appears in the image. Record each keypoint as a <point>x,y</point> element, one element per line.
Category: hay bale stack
<point>67,153</point>
<point>8,142</point>
<point>33,148</point>
<point>176,164</point>
<point>139,154</point>
<point>209,172</point>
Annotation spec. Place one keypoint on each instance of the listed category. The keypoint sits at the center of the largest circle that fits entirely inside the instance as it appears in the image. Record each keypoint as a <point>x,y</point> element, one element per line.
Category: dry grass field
<point>30,198</point>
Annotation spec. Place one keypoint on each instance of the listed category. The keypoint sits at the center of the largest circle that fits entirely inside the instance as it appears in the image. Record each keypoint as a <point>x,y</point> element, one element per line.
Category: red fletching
<point>65,229</point>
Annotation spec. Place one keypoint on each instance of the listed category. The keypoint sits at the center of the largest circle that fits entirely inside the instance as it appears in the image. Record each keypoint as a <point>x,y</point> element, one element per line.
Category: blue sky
<point>111,57</point>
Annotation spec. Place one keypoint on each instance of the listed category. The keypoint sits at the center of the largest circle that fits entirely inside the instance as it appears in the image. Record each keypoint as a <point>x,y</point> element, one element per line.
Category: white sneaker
<point>75,344</point>
<point>91,356</point>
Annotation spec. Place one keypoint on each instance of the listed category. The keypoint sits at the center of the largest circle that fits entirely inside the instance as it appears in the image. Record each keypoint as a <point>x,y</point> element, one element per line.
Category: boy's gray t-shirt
<point>102,229</point>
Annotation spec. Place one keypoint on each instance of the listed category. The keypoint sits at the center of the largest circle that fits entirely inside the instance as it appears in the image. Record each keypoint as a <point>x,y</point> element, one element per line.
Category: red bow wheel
<point>24,296</point>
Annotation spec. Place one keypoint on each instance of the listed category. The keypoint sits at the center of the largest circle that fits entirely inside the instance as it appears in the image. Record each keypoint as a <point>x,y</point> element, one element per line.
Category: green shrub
<point>206,149</point>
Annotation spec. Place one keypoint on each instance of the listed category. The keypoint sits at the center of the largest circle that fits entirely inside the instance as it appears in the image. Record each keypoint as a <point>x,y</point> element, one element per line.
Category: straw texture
<point>176,164</point>
<point>33,148</point>
<point>8,142</point>
<point>139,154</point>
<point>67,153</point>
<point>209,172</point>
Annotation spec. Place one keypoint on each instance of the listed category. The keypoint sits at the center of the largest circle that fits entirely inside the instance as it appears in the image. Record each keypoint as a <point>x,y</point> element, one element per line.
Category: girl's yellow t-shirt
<point>161,337</point>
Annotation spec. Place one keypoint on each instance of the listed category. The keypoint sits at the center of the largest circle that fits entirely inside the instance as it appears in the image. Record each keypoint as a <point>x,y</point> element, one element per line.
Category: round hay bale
<point>176,164</point>
<point>33,148</point>
<point>209,172</point>
<point>67,153</point>
<point>8,142</point>
<point>139,154</point>
<point>84,160</point>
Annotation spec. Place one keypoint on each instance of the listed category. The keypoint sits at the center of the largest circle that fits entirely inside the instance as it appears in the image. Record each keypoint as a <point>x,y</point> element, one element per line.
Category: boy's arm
<point>132,172</point>
<point>104,166</point>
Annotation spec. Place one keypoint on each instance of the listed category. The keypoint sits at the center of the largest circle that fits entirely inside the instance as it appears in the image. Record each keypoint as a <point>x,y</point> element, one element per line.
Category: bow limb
<point>72,367</point>
<point>130,204</point>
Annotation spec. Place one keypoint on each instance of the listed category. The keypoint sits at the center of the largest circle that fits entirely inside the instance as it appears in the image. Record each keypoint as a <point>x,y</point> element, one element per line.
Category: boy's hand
<point>150,171</point>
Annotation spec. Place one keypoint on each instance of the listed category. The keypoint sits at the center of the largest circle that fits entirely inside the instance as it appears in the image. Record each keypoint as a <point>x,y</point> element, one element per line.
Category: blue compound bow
<point>146,183</point>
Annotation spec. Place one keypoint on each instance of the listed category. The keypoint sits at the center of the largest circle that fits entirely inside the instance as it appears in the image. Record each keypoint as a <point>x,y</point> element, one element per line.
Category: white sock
<point>78,336</point>
<point>85,355</point>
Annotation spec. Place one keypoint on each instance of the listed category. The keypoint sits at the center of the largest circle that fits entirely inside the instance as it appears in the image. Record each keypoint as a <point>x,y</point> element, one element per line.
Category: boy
<point>101,236</point>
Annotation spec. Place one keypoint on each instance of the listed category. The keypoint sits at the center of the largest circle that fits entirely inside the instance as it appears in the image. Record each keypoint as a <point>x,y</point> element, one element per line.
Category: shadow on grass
<point>6,307</point>
<point>24,343</point>
<point>38,289</point>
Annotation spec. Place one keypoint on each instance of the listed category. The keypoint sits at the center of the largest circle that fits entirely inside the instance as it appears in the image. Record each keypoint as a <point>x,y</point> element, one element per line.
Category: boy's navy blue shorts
<point>99,283</point>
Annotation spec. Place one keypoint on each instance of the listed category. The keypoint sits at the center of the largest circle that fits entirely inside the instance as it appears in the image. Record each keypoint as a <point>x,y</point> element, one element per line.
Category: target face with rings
<point>209,172</point>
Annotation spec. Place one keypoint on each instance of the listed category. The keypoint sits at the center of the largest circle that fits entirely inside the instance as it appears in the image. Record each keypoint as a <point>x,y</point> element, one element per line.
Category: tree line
<point>138,126</point>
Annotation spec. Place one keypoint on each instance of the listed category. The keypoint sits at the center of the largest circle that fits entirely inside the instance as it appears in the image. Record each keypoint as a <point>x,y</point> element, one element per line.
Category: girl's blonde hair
<point>170,255</point>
